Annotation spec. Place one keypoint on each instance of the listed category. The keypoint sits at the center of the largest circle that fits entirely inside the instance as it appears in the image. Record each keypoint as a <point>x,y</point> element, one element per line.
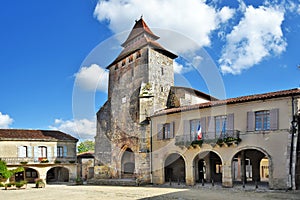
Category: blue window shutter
<point>274,119</point>
<point>159,132</point>
<point>186,127</point>
<point>230,122</point>
<point>20,151</point>
<point>65,151</point>
<point>211,126</point>
<point>172,127</point>
<point>29,153</point>
<point>49,152</point>
<point>250,121</point>
<point>55,151</point>
<point>36,153</point>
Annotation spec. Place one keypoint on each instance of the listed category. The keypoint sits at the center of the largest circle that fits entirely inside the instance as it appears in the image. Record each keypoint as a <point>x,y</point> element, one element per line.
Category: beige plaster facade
<point>272,144</point>
<point>52,159</point>
<point>148,128</point>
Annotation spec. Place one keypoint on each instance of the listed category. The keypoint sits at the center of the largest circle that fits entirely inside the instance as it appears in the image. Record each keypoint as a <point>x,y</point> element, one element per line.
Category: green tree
<point>85,146</point>
<point>4,172</point>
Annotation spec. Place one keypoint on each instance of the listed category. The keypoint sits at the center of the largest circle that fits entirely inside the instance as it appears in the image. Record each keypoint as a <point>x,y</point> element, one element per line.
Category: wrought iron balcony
<point>227,138</point>
<point>27,160</point>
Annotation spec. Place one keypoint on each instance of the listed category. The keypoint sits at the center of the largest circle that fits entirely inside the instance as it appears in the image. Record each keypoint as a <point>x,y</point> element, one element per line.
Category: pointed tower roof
<point>139,37</point>
<point>139,28</point>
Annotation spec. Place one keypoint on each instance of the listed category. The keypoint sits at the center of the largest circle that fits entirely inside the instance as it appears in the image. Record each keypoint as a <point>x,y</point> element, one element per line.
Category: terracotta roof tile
<point>139,27</point>
<point>22,134</point>
<point>241,99</point>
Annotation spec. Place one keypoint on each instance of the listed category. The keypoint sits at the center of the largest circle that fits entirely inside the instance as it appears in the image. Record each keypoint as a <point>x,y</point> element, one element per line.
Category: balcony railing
<point>26,160</point>
<point>228,137</point>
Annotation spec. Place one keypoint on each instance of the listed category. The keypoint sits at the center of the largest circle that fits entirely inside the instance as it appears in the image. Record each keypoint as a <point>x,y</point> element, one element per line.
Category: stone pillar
<point>208,169</point>
<point>158,177</point>
<point>243,166</point>
<point>189,174</point>
<point>227,175</point>
<point>255,169</point>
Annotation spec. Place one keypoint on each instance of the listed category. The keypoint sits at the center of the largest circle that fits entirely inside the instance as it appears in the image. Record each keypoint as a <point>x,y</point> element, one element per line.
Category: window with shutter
<point>165,131</point>
<point>262,120</point>
<point>194,124</point>
<point>230,122</point>
<point>59,151</point>
<point>159,132</point>
<point>42,152</point>
<point>220,125</point>
<point>22,152</point>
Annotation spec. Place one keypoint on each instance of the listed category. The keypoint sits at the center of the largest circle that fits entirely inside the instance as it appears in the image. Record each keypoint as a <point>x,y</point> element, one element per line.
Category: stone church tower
<point>140,79</point>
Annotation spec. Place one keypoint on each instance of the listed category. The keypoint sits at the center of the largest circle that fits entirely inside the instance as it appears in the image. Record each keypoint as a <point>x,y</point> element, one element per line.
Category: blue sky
<point>53,53</point>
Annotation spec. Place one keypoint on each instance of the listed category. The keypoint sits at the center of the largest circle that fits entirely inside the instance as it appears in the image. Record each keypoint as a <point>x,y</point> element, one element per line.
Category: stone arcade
<point>149,129</point>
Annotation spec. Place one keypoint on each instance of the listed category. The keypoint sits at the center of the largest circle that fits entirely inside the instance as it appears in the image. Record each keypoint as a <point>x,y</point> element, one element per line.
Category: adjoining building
<point>156,132</point>
<point>85,167</point>
<point>244,139</point>
<point>44,154</point>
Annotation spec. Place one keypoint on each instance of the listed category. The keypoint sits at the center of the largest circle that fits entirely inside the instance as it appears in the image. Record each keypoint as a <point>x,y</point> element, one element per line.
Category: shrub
<point>10,184</point>
<point>79,181</point>
<point>20,184</point>
<point>39,183</point>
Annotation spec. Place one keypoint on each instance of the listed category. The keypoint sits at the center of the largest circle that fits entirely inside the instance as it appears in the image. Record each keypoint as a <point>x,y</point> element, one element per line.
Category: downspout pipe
<point>151,173</point>
<point>292,144</point>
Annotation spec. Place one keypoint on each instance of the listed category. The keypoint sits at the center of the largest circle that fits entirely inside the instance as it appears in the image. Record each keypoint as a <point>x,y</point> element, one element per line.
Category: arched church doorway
<point>174,168</point>
<point>128,164</point>
<point>208,167</point>
<point>251,166</point>
<point>57,174</point>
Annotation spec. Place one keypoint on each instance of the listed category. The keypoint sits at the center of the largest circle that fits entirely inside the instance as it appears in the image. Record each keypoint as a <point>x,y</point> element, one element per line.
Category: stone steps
<point>113,182</point>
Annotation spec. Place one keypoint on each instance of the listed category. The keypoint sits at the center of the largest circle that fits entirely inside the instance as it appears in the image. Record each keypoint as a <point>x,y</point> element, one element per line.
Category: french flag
<point>199,132</point>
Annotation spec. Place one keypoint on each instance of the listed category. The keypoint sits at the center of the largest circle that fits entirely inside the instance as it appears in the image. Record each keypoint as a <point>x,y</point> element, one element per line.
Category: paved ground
<point>73,192</point>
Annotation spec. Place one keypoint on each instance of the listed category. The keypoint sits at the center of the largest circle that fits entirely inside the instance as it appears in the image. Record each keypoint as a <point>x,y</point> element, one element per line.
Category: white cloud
<point>5,120</point>
<point>257,36</point>
<point>180,69</point>
<point>194,19</point>
<point>92,78</point>
<point>79,128</point>
<point>225,14</point>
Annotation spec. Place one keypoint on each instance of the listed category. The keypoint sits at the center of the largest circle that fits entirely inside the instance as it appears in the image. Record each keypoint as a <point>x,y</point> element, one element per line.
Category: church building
<point>150,130</point>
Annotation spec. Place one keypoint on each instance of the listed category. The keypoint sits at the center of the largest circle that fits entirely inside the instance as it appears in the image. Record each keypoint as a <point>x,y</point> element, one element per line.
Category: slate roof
<point>242,99</point>
<point>38,135</point>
